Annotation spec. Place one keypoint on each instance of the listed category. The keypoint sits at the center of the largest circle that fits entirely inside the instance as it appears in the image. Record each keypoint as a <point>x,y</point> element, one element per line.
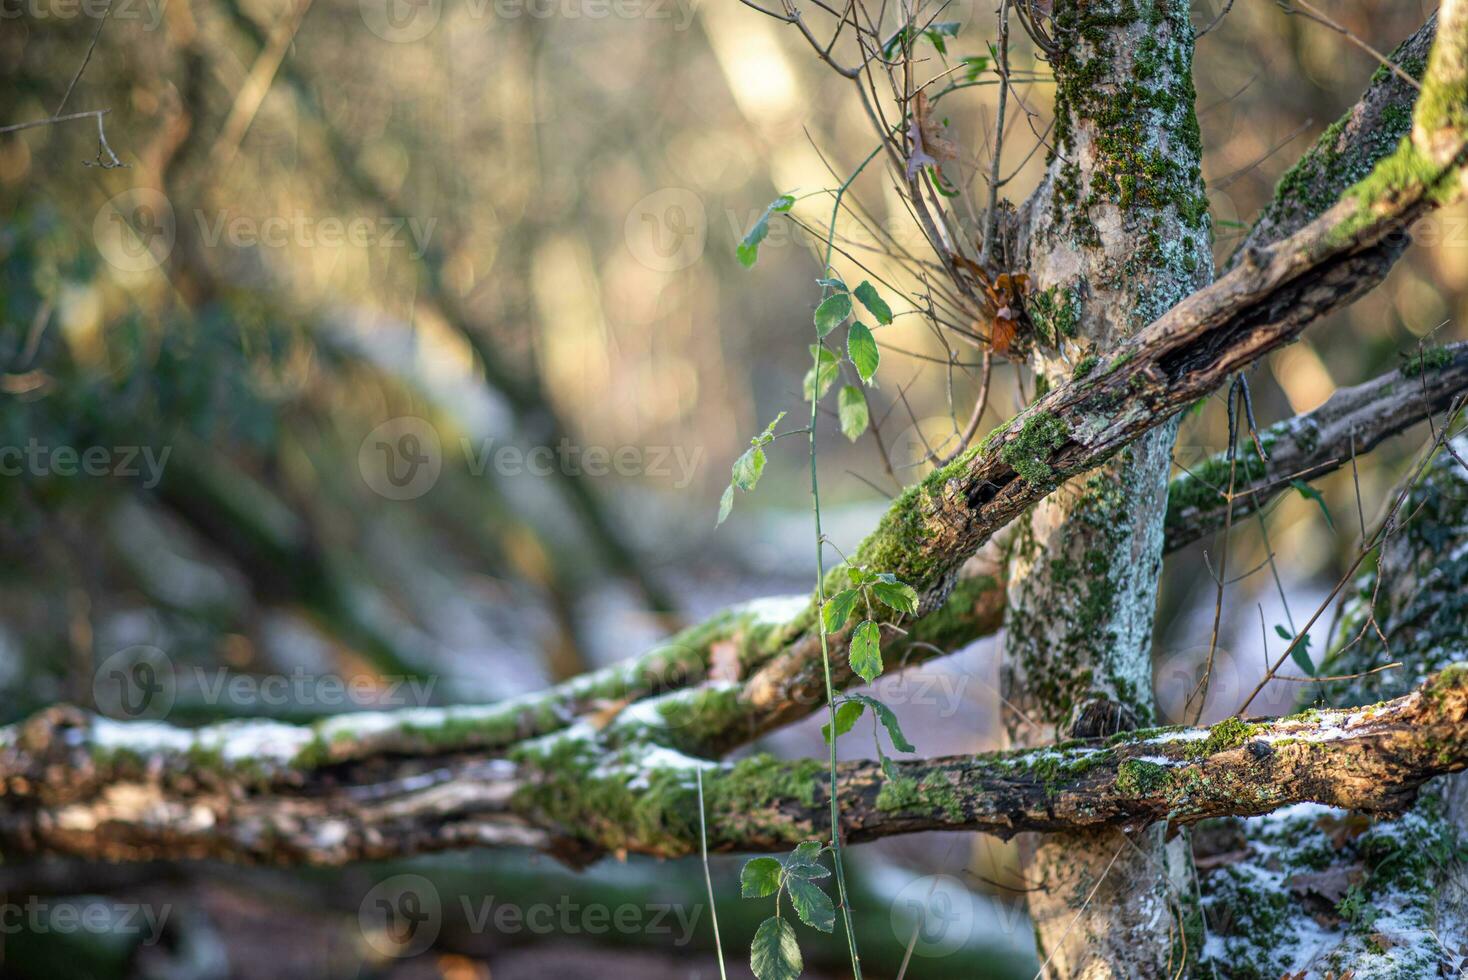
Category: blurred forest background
<point>408,348</point>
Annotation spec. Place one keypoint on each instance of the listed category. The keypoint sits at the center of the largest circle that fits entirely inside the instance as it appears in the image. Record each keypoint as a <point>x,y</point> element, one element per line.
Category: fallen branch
<point>89,787</point>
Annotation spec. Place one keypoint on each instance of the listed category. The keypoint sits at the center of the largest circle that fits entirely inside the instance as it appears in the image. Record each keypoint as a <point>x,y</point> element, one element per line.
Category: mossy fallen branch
<point>92,788</point>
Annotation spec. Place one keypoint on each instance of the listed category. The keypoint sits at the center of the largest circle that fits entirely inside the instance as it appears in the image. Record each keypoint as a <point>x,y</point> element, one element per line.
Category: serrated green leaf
<point>861,347</point>
<point>1310,493</point>
<point>748,468</point>
<point>832,312</point>
<point>851,406</point>
<point>888,718</point>
<point>759,877</point>
<point>874,303</point>
<point>865,653</point>
<point>847,712</point>
<point>748,249</point>
<point>838,608</point>
<point>811,904</point>
<point>775,952</point>
<point>807,850</point>
<point>726,504</point>
<point>899,596</point>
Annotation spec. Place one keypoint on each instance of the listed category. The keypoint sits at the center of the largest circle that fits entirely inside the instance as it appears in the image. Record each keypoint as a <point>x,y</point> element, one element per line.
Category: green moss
<point>1136,777</point>
<point>1085,366</point>
<point>1227,734</point>
<point>1433,358</point>
<point>1028,453</point>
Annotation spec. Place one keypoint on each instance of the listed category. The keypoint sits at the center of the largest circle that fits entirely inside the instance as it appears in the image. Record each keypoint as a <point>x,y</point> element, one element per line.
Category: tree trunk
<point>1119,234</point>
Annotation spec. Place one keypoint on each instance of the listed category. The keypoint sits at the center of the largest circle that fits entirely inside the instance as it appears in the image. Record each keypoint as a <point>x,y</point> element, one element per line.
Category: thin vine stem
<point>815,496</point>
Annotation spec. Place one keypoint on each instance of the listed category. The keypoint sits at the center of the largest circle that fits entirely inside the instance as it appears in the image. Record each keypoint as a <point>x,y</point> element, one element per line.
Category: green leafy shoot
<point>747,469</point>
<point>775,951</point>
<point>748,249</point>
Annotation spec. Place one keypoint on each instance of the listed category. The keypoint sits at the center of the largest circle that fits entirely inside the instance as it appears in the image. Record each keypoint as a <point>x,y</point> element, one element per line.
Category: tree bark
<point>1119,234</point>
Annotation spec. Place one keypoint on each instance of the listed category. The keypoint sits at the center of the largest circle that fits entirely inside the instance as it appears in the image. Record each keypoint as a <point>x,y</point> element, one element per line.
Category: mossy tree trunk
<point>1118,234</point>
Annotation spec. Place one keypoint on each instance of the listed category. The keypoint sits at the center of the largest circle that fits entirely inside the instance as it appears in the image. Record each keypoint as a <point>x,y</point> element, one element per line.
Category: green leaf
<point>1310,493</point>
<point>837,608</point>
<point>861,347</point>
<point>748,250</point>
<point>726,504</point>
<point>832,312</point>
<point>836,284</point>
<point>852,407</point>
<point>975,65</point>
<point>866,651</point>
<point>901,597</point>
<point>807,850</point>
<point>775,953</point>
<point>760,877</point>
<point>1283,633</point>
<point>811,904</point>
<point>829,366</point>
<point>874,303</point>
<point>847,712</point>
<point>748,467</point>
<point>889,721</point>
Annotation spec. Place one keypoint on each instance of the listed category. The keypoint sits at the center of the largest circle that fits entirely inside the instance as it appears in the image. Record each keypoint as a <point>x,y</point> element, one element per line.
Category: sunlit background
<point>414,343</point>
